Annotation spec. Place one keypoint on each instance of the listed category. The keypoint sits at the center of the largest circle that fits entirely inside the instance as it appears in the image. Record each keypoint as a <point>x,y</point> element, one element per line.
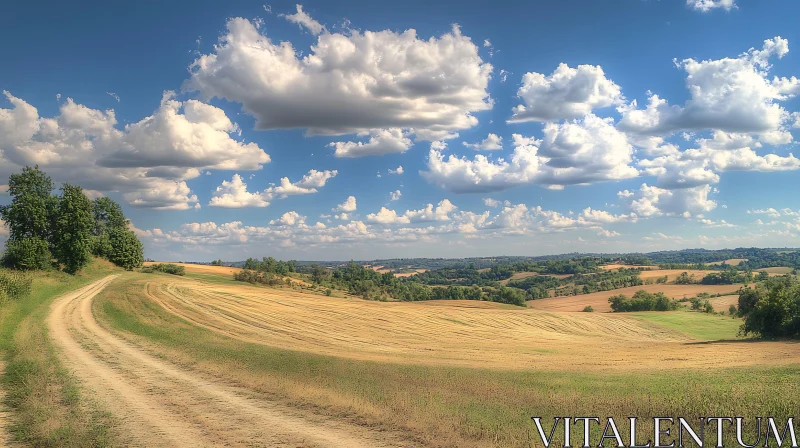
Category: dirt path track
<point>158,403</point>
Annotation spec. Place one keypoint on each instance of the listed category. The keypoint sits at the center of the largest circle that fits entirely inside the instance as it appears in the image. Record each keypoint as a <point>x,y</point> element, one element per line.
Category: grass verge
<point>447,406</point>
<point>47,405</point>
<point>703,326</point>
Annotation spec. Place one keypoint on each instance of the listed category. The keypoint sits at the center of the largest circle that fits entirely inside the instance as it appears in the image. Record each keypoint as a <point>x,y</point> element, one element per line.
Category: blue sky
<point>521,129</point>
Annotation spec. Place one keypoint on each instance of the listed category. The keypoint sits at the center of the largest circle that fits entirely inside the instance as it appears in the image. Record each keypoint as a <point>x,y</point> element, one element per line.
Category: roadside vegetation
<point>49,410</point>
<point>166,268</point>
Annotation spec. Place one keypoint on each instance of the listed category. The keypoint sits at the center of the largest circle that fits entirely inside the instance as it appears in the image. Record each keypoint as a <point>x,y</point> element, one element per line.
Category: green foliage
<point>126,251</point>
<point>270,265</point>
<point>727,277</point>
<point>27,254</point>
<point>771,309</point>
<point>216,263</point>
<point>642,301</point>
<point>732,310</point>
<point>588,309</point>
<point>31,209</point>
<point>69,228</point>
<point>74,224</point>
<point>166,268</point>
<point>685,279</point>
<point>257,277</point>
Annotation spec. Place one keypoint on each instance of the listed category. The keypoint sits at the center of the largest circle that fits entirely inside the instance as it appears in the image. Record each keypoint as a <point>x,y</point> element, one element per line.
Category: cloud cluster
<point>708,5</point>
<point>567,93</point>
<point>350,82</point>
<point>149,161</point>
<point>234,194</point>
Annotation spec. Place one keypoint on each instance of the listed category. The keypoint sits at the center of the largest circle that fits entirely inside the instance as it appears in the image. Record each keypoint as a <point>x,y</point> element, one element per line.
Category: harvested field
<point>519,275</point>
<point>730,262</point>
<point>779,270</point>
<point>672,274</point>
<point>192,268</point>
<point>449,333</point>
<point>609,267</point>
<point>599,300</point>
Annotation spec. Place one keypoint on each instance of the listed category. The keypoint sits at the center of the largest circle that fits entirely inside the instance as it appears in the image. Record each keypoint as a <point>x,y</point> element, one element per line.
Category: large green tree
<point>108,217</point>
<point>29,218</point>
<point>126,250</point>
<point>74,224</point>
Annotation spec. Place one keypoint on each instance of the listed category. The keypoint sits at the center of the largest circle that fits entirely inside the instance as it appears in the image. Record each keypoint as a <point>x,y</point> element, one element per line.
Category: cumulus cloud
<point>771,212</point>
<point>349,82</point>
<point>708,5</point>
<point>289,219</point>
<point>349,205</point>
<point>729,94</point>
<point>566,94</point>
<point>381,141</point>
<point>652,201</point>
<point>492,142</point>
<point>578,152</point>
<point>148,161</point>
<point>395,195</point>
<point>234,194</point>
<point>398,171</point>
<point>430,213</point>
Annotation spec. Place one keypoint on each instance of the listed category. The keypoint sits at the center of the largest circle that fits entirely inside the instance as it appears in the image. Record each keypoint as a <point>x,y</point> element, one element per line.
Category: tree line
<point>63,231</point>
<point>771,309</point>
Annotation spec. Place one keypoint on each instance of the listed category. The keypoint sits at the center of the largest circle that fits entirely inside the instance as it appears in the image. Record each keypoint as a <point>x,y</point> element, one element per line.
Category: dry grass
<point>192,268</point>
<point>455,406</point>
<point>610,267</point>
<point>599,300</point>
<point>449,333</point>
<point>672,274</point>
<point>779,270</point>
<point>730,262</point>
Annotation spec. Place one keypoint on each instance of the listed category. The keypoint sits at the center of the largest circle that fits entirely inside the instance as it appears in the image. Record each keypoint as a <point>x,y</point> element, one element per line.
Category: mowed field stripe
<point>451,333</point>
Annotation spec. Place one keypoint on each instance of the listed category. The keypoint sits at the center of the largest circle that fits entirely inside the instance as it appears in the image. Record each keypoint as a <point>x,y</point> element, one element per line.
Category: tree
<point>108,216</point>
<point>73,229</point>
<point>126,250</point>
<point>29,218</point>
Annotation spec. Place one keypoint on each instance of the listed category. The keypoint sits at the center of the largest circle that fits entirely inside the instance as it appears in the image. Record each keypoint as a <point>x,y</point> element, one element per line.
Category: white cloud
<point>234,194</point>
<point>304,21</point>
<point>579,152</point>
<point>386,216</point>
<point>381,141</point>
<point>349,82</point>
<point>652,201</point>
<point>349,205</point>
<point>430,213</point>
<point>307,185</point>
<point>398,171</point>
<point>566,94</point>
<point>729,94</point>
<point>148,161</point>
<point>289,219</point>
<point>708,5</point>
<point>395,195</point>
<point>492,142</point>
<point>113,95</point>
<point>771,212</point>
<point>720,223</point>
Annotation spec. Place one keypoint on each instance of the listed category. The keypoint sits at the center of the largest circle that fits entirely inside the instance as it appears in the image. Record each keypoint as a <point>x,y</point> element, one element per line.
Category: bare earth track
<point>158,403</point>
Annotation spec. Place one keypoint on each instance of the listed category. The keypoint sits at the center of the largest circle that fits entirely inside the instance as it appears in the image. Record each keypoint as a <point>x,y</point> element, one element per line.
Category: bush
<point>588,309</point>
<point>772,309</point>
<point>642,301</point>
<point>732,310</point>
<point>14,286</point>
<point>127,251</point>
<point>328,292</point>
<point>166,268</point>
<point>27,254</point>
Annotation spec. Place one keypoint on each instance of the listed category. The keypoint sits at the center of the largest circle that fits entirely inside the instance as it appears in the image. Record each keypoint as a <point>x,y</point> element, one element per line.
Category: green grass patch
<point>450,406</point>
<point>47,405</point>
<point>703,326</point>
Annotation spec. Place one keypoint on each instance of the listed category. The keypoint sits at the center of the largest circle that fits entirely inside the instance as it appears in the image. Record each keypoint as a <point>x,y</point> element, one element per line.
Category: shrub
<point>588,309</point>
<point>732,310</point>
<point>27,254</point>
<point>328,292</point>
<point>642,301</point>
<point>14,286</point>
<point>166,268</point>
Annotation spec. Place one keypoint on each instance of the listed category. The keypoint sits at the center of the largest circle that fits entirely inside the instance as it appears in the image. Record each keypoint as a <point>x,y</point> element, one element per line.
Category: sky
<point>334,130</point>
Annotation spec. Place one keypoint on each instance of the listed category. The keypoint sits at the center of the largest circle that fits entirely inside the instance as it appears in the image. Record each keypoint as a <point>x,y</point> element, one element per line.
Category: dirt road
<point>157,403</point>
